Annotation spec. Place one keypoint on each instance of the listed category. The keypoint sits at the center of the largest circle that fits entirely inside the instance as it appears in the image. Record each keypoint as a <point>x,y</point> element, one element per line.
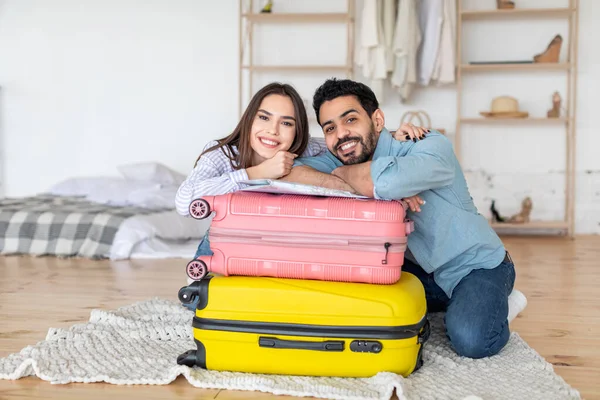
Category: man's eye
<point>329,129</point>
<point>351,119</point>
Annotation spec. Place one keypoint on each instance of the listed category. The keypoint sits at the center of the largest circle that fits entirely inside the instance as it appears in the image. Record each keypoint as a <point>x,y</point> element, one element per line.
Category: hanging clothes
<point>444,71</point>
<point>388,18</point>
<point>407,38</point>
<point>411,41</point>
<point>371,55</point>
<point>431,17</point>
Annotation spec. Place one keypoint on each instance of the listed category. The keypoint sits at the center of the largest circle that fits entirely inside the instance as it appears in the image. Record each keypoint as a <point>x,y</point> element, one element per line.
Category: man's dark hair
<point>334,88</point>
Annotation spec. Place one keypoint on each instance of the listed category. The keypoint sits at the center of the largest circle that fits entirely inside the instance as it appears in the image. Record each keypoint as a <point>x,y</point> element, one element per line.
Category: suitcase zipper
<point>387,247</point>
<point>291,329</point>
<point>362,243</point>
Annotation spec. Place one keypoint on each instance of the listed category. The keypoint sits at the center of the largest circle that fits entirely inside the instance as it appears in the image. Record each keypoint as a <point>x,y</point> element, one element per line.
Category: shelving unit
<point>533,226</point>
<point>299,17</point>
<point>524,121</point>
<point>515,12</point>
<point>516,67</point>
<point>565,226</point>
<point>324,68</point>
<point>249,19</point>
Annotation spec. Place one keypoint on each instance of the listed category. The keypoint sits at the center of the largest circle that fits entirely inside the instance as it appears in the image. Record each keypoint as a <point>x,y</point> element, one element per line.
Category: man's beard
<point>367,146</point>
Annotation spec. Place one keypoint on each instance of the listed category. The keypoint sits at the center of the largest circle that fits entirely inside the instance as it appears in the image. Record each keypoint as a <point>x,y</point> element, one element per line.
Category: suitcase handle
<point>410,226</point>
<point>275,343</point>
<point>424,334</point>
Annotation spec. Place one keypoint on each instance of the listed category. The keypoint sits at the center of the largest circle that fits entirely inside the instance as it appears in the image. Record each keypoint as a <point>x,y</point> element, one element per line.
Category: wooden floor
<point>560,277</point>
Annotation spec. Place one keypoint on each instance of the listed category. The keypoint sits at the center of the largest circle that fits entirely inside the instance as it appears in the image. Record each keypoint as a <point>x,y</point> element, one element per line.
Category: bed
<point>123,217</point>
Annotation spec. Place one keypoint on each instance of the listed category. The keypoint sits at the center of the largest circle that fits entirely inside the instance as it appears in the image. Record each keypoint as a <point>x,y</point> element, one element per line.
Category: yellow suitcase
<point>307,327</point>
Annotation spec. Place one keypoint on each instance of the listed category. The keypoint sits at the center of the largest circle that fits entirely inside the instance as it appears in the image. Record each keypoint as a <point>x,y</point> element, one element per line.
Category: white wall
<point>88,85</point>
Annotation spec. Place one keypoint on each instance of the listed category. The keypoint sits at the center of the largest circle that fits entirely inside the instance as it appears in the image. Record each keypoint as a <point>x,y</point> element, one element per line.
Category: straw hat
<point>505,107</point>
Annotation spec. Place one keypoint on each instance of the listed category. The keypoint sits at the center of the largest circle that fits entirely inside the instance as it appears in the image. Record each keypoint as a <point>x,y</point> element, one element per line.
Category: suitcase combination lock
<point>365,346</point>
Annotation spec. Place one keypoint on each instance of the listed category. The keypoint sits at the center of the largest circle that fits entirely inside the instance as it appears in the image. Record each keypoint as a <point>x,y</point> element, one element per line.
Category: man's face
<point>349,132</point>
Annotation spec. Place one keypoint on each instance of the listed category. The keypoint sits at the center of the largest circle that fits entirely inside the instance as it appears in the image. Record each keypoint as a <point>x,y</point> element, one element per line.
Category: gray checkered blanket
<point>61,226</point>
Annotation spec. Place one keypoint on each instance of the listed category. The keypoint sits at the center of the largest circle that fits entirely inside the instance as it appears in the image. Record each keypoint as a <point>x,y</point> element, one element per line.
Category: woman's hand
<point>414,203</point>
<point>273,168</point>
<point>408,132</point>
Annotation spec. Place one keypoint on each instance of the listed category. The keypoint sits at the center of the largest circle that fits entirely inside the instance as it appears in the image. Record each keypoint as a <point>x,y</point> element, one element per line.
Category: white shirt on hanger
<point>407,38</point>
<point>444,70</point>
<point>388,18</point>
<point>431,16</point>
<point>371,53</point>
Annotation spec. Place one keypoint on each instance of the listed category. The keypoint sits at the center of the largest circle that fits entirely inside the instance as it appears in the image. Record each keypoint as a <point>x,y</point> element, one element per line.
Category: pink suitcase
<point>303,237</point>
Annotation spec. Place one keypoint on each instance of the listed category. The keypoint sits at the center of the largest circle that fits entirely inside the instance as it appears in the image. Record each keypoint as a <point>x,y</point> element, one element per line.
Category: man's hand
<point>358,176</point>
<point>414,203</point>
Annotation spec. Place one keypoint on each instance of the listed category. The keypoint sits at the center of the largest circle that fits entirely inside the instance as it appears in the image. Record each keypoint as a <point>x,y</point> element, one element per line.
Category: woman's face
<point>274,127</point>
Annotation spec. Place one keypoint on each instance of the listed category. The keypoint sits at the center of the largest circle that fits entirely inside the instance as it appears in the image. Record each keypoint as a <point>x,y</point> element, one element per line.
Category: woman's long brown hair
<point>240,137</point>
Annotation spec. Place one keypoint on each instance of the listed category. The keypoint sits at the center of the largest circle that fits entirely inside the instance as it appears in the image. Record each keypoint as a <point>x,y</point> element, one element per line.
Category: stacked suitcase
<point>305,285</point>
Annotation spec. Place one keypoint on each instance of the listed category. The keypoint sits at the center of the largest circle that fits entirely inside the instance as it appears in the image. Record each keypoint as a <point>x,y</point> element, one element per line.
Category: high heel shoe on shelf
<point>552,51</point>
<point>505,4</point>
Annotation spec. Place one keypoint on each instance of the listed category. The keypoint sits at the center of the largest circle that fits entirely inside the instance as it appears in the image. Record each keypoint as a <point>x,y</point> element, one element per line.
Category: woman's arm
<point>213,175</point>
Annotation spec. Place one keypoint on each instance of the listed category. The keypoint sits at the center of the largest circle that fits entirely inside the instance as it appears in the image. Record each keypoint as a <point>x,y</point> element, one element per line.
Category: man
<point>460,260</point>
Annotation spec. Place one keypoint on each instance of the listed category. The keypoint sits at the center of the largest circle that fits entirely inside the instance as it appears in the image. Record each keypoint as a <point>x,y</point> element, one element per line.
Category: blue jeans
<point>203,250</point>
<point>204,247</point>
<point>476,315</point>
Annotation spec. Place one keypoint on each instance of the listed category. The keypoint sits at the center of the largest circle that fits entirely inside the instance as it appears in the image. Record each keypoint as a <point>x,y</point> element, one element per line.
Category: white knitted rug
<point>139,344</point>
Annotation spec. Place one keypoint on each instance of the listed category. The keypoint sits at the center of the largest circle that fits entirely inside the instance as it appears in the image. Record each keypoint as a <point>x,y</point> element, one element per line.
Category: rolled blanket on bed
<point>61,226</point>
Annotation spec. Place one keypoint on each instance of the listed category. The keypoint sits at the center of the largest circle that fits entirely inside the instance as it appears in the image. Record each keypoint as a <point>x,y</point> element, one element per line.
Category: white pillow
<point>82,186</point>
<point>151,172</point>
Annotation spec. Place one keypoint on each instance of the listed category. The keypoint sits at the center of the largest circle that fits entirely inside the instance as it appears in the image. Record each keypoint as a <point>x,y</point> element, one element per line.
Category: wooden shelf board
<point>513,120</point>
<point>516,12</point>
<point>515,67</point>
<point>297,67</point>
<point>295,17</point>
<point>533,225</point>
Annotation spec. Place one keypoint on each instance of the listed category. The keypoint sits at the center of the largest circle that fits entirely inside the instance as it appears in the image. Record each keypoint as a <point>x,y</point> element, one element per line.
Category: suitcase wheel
<point>196,269</point>
<point>187,294</point>
<point>199,209</point>
<point>188,358</point>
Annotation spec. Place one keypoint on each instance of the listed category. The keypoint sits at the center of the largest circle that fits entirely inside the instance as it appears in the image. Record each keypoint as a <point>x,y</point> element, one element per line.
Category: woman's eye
<point>263,117</point>
<point>288,124</point>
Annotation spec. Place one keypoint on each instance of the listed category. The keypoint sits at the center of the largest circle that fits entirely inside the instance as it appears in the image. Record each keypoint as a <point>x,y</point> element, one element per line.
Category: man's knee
<point>475,339</point>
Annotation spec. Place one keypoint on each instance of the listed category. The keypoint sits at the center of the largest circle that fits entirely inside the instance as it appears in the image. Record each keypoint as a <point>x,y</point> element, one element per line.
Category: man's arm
<point>316,171</point>
<point>309,176</point>
<point>358,176</point>
<point>429,165</point>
